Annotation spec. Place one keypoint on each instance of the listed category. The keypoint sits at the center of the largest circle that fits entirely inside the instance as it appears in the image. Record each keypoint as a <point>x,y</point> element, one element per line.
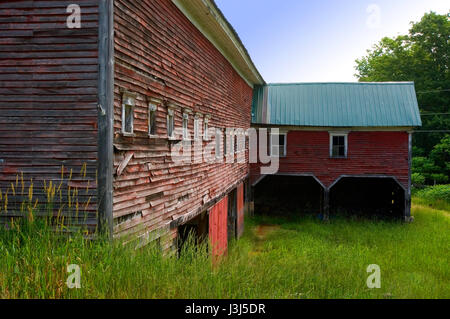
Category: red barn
<point>100,99</point>
<point>93,97</point>
<point>343,147</point>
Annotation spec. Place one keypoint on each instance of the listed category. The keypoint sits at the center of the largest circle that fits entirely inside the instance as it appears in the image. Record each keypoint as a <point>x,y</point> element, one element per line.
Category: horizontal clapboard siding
<point>48,98</point>
<point>369,153</point>
<point>159,53</point>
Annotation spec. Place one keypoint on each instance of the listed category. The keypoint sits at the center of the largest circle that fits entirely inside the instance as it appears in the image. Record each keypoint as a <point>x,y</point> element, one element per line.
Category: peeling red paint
<point>218,218</point>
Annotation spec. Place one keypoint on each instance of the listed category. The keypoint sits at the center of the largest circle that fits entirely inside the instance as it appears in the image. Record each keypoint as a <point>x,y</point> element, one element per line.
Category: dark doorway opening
<point>288,195</point>
<point>368,197</point>
<point>194,232</point>
<point>232,215</point>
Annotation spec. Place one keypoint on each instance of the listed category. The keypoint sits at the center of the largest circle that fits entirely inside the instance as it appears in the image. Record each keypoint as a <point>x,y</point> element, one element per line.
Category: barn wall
<point>160,54</point>
<point>369,153</point>
<point>48,97</point>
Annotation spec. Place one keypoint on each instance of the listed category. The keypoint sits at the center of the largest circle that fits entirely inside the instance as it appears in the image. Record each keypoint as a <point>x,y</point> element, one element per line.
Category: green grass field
<point>276,258</point>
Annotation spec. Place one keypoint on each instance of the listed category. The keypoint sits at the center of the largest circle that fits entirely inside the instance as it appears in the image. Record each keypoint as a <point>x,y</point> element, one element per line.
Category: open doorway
<point>194,232</point>
<point>367,196</point>
<point>288,195</point>
<point>232,215</point>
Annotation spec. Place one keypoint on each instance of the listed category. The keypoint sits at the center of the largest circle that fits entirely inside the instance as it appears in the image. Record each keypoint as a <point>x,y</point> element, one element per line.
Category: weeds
<point>297,257</point>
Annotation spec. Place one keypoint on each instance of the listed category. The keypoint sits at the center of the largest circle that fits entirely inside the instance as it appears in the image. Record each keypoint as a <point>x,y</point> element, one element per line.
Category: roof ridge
<point>342,83</point>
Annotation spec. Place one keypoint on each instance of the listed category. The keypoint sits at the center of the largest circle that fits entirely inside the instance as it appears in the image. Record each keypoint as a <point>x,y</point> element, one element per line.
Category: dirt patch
<point>261,233</point>
<point>263,230</point>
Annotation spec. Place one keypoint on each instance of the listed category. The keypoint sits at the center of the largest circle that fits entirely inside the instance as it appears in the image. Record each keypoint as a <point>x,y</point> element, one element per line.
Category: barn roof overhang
<point>337,105</point>
<point>210,21</point>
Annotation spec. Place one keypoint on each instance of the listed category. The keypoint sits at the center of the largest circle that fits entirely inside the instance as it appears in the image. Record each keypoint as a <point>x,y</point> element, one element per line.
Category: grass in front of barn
<point>277,258</point>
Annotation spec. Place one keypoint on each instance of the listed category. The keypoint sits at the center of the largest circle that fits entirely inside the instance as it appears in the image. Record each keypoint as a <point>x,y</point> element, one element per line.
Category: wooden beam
<point>105,116</point>
<point>408,217</point>
<point>124,163</point>
<point>326,205</point>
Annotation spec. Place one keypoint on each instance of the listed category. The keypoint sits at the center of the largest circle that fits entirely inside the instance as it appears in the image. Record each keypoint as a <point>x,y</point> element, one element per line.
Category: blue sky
<point>318,40</point>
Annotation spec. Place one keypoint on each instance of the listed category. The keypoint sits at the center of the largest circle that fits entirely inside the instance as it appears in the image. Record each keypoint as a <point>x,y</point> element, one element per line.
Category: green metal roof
<point>337,105</point>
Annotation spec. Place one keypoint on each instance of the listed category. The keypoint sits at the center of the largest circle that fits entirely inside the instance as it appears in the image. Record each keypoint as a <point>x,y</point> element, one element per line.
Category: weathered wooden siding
<point>48,96</point>
<point>369,153</point>
<point>160,54</point>
<point>218,219</point>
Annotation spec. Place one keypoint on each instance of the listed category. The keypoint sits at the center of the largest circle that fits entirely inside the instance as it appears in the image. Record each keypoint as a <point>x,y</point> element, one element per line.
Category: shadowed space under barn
<point>279,195</point>
<point>375,197</point>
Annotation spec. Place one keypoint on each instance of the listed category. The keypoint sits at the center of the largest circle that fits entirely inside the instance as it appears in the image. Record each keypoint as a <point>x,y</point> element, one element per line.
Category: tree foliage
<point>421,56</point>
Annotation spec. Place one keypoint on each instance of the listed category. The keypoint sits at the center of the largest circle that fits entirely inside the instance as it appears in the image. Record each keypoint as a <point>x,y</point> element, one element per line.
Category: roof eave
<point>209,20</point>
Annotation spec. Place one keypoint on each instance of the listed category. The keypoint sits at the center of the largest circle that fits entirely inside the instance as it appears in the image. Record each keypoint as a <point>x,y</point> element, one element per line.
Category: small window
<point>152,119</point>
<point>206,129</point>
<point>338,146</point>
<point>240,141</point>
<point>225,143</point>
<point>170,123</point>
<point>232,142</point>
<point>278,144</point>
<point>197,127</point>
<point>128,103</point>
<point>185,126</point>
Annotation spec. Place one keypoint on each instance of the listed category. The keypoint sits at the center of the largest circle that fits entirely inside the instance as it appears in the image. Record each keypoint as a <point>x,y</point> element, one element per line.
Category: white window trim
<point>339,134</point>
<point>285,144</point>
<point>128,99</point>
<point>152,108</point>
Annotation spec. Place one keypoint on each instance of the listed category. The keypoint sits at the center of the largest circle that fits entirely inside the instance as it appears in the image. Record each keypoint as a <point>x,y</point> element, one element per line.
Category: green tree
<point>440,155</point>
<point>434,169</point>
<point>421,56</point>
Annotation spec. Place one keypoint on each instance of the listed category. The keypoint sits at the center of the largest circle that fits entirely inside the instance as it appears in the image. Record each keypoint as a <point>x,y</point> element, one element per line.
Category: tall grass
<point>299,258</point>
<point>65,206</point>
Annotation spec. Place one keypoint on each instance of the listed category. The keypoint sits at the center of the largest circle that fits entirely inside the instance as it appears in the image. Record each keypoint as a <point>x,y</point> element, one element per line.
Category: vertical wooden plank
<point>223,225</point>
<point>408,191</point>
<point>326,204</point>
<point>218,228</point>
<point>106,116</point>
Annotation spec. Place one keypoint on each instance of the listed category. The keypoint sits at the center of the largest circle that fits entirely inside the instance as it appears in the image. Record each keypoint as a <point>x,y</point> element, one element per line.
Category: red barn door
<point>218,223</point>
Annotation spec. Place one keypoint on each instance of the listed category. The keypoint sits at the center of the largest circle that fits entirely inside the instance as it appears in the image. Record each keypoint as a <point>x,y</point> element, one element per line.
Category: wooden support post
<point>252,201</point>
<point>408,217</point>
<point>105,117</point>
<point>326,204</point>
